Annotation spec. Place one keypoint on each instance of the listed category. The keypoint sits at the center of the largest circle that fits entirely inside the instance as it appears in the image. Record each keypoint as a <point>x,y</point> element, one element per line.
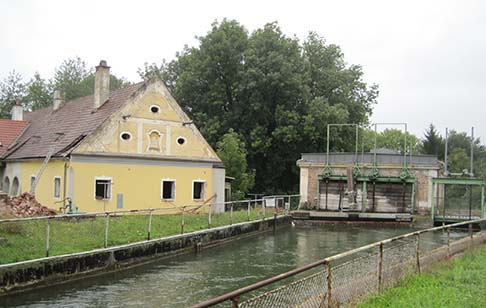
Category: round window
<point>126,136</point>
<point>181,140</point>
<point>154,109</point>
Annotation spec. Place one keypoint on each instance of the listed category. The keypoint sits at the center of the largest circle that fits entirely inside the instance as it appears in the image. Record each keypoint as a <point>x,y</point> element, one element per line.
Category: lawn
<point>458,283</point>
<point>27,240</point>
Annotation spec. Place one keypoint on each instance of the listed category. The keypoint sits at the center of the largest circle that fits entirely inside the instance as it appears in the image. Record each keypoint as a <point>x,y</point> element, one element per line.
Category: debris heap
<point>24,205</point>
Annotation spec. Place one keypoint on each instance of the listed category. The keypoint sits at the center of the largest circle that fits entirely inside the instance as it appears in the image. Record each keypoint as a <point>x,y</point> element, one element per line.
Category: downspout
<point>66,160</point>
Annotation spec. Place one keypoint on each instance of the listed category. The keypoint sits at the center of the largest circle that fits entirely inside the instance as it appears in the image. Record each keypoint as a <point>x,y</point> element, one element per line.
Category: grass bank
<point>27,240</point>
<point>458,283</point>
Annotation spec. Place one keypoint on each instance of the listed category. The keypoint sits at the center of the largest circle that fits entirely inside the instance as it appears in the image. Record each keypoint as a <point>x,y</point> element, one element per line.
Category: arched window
<point>6,184</point>
<point>155,141</point>
<point>15,187</point>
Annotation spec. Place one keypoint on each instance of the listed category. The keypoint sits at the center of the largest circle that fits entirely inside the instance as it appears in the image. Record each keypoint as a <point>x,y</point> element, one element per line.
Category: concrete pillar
<point>102,84</point>
<point>58,100</point>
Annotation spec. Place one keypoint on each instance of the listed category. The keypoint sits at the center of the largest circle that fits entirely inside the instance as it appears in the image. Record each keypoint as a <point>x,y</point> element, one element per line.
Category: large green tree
<point>433,142</point>
<point>12,89</point>
<point>275,92</point>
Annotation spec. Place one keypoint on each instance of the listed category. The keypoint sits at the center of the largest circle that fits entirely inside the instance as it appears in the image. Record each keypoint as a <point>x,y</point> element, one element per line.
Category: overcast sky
<point>428,57</point>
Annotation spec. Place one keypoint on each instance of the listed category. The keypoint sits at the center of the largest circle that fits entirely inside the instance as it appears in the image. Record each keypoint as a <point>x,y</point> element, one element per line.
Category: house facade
<point>131,148</point>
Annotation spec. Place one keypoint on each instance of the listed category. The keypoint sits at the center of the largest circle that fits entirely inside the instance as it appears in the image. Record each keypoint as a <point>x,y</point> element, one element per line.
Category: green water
<point>185,280</point>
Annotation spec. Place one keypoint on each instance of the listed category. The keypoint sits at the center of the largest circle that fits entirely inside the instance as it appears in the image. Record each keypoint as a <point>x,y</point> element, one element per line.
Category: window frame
<point>183,138</point>
<point>156,106</point>
<point>57,178</point>
<point>110,190</point>
<point>173,189</point>
<point>203,189</point>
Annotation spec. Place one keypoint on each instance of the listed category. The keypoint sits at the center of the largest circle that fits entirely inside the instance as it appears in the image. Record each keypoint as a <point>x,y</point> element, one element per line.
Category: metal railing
<point>347,277</point>
<point>87,231</point>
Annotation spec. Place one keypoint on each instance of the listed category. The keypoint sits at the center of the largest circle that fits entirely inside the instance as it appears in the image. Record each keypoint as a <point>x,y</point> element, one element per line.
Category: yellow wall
<point>139,184</point>
<point>45,188</point>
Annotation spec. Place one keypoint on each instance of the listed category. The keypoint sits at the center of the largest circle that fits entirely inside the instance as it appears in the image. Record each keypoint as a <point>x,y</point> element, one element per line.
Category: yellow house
<point>132,148</point>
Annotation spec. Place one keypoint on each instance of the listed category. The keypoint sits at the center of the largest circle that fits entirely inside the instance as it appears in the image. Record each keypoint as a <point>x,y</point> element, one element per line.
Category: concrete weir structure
<point>25,275</point>
<point>368,186</point>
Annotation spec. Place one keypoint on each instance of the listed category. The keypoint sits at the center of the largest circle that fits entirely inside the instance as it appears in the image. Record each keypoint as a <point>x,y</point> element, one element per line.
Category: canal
<point>187,279</point>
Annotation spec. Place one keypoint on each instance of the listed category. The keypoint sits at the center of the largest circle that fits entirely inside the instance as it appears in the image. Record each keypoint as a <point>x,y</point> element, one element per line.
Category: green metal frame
<point>458,181</point>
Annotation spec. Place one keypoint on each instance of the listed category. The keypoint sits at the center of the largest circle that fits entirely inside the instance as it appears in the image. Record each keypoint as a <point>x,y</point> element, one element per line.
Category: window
<point>15,187</point>
<point>181,140</point>
<point>103,188</point>
<point>155,109</point>
<point>32,181</point>
<point>6,185</point>
<point>126,136</point>
<point>57,187</point>
<point>198,190</point>
<point>168,189</point>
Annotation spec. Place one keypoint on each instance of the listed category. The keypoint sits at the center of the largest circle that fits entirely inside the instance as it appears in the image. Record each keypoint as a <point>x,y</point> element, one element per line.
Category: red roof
<point>9,131</point>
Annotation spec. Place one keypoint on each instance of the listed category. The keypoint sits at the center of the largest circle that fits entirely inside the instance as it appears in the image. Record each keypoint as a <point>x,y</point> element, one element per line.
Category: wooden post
<point>48,236</point>
<point>248,211</point>
<point>380,267</point>
<point>471,234</point>
<point>149,225</point>
<point>182,220</point>
<point>329,285</point>
<point>107,221</point>
<point>234,302</point>
<point>231,214</point>
<point>417,253</point>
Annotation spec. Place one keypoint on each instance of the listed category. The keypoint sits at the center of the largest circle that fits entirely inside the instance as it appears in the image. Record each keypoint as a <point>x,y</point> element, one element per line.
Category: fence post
<point>209,216</point>
<point>48,235</point>
<point>329,285</point>
<point>234,302</point>
<point>231,214</point>
<point>107,220</point>
<point>380,266</point>
<point>417,252</point>
<point>182,220</point>
<point>263,208</point>
<point>470,234</point>
<point>149,225</point>
<point>448,242</point>
<point>248,212</point>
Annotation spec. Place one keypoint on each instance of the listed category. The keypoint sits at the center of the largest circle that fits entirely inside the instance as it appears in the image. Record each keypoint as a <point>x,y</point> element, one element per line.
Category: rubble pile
<point>24,205</point>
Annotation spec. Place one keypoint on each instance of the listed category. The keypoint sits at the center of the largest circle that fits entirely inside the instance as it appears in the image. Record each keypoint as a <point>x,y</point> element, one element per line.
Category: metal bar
<point>327,146</point>
<point>107,220</point>
<point>470,201</point>
<point>48,236</point>
<point>483,210</point>
<point>471,172</point>
<point>209,216</point>
<point>149,226</point>
<point>417,253</point>
<point>412,210</point>
<point>380,267</point>
<point>434,200</point>
<point>231,214</point>
<point>365,197</point>
<point>248,211</point>
<point>471,233</point>
<point>448,243</point>
<point>182,221</point>
<point>445,150</point>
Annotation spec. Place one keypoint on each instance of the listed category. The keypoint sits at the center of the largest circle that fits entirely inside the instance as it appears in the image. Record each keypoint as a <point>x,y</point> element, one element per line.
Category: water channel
<point>187,279</point>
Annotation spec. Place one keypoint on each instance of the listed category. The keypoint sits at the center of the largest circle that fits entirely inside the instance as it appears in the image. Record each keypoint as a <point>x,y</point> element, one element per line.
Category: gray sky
<point>428,57</point>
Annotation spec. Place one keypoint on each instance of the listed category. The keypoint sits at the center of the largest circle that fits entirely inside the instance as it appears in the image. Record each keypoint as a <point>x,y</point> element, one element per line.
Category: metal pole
<point>417,253</point>
<point>374,148</point>
<point>471,173</point>
<point>182,220</point>
<point>483,210</point>
<point>356,147</point>
<point>327,147</point>
<point>448,242</point>
<point>413,199</point>
<point>231,214</point>
<point>380,267</point>
<point>149,225</point>
<point>364,197</point>
<point>209,216</point>
<point>471,233</point>
<point>405,148</point>
<point>248,211</point>
<point>107,219</point>
<point>434,199</point>
<point>48,236</point>
<point>445,150</point>
<point>263,209</point>
<point>329,285</point>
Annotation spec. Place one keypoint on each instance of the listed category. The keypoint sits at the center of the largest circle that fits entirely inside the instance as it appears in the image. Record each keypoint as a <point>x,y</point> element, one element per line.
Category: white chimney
<point>58,100</point>
<point>102,84</point>
<point>17,111</point>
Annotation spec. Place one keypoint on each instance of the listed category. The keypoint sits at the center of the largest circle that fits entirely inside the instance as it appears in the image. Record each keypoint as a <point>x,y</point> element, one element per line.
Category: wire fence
<point>37,237</point>
<point>346,278</point>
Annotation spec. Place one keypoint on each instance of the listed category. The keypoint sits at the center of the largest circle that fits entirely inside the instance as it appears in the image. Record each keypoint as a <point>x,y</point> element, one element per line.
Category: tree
<point>12,89</point>
<point>277,94</point>
<point>433,142</point>
<point>231,149</point>
<point>38,93</point>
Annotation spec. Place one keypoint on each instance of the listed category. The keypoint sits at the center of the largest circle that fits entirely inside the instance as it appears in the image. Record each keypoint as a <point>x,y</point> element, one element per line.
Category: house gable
<point>150,123</point>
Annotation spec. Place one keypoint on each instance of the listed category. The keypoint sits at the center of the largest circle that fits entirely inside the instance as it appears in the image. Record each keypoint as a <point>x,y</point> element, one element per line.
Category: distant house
<point>128,149</point>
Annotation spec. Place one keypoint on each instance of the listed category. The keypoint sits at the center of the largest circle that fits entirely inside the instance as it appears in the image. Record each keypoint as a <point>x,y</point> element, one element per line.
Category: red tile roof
<point>64,128</point>
<point>9,131</point>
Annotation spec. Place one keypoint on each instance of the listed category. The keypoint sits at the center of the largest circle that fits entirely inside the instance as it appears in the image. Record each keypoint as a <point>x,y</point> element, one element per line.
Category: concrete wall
<point>52,270</point>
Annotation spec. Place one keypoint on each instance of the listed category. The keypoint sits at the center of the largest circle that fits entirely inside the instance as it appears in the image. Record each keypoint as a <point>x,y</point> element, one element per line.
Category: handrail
<point>237,293</point>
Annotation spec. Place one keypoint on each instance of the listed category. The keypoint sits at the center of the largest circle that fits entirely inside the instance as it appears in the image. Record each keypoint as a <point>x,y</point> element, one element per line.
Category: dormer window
<point>155,109</point>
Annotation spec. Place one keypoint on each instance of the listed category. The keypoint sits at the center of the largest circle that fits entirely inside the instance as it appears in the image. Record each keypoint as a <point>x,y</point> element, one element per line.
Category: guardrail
<point>349,276</point>
<point>22,234</point>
